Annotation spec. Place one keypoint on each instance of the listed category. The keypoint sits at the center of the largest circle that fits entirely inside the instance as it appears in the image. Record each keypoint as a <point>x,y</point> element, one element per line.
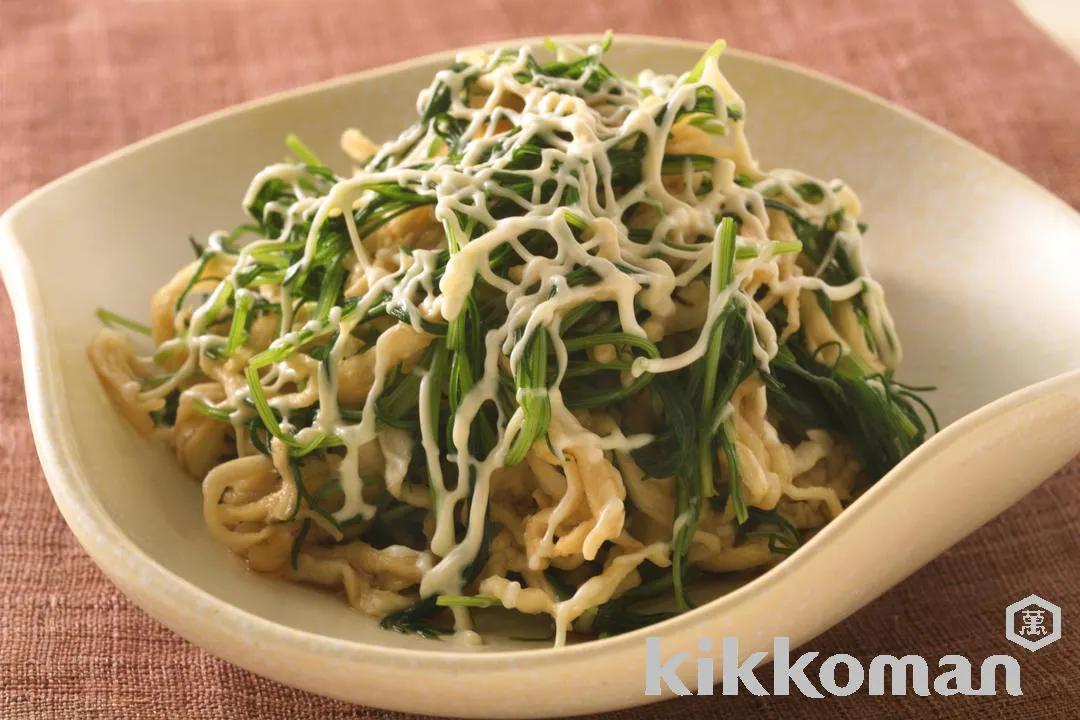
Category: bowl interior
<point>978,264</point>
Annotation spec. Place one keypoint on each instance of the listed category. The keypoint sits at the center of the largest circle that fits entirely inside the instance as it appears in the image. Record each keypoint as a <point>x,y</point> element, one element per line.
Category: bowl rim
<point>101,537</point>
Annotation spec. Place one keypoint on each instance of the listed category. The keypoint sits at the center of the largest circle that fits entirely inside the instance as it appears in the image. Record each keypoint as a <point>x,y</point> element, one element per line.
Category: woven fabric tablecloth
<point>78,79</point>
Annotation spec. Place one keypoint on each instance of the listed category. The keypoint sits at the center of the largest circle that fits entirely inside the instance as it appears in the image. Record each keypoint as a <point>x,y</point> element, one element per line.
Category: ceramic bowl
<point>980,268</point>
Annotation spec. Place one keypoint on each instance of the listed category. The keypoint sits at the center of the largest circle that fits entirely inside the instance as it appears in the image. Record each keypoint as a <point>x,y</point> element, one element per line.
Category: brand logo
<point>1033,623</point>
<point>887,674</point>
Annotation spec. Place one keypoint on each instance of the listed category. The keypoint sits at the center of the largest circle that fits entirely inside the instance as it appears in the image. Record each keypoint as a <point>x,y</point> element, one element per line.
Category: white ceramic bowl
<point>980,268</point>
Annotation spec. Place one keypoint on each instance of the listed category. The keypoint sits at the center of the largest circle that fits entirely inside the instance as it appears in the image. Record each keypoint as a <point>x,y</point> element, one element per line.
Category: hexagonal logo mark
<point>1033,623</point>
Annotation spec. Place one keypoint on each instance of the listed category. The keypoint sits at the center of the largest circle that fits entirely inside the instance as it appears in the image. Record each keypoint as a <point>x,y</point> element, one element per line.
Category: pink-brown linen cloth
<point>79,79</point>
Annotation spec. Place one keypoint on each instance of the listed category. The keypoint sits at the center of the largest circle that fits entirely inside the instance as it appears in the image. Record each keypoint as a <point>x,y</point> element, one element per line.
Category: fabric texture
<point>79,79</point>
